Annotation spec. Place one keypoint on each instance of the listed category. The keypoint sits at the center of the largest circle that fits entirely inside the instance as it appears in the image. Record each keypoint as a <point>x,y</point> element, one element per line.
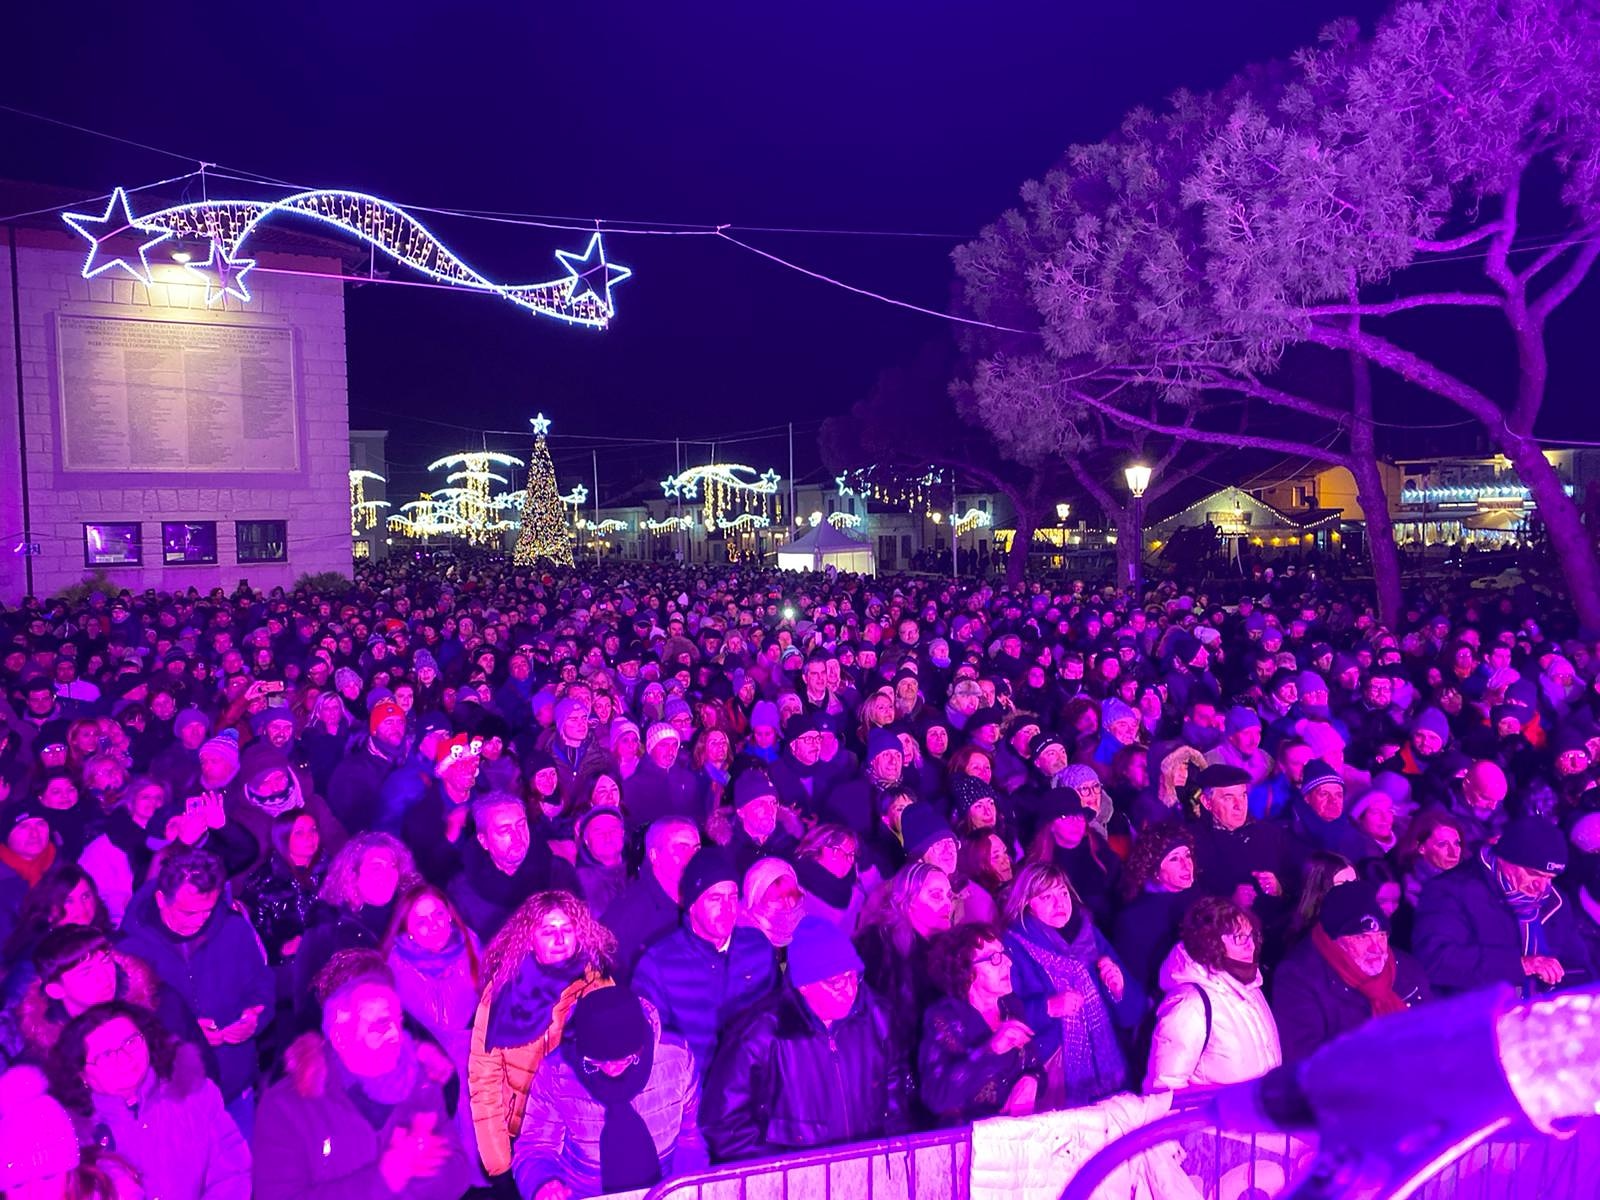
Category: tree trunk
<point>1021,543</point>
<point>1130,543</point>
<point>1381,549</point>
<point>1563,518</point>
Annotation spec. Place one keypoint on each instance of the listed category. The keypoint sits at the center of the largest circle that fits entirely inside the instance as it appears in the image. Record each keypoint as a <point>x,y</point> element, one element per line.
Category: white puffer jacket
<point>1244,1037</point>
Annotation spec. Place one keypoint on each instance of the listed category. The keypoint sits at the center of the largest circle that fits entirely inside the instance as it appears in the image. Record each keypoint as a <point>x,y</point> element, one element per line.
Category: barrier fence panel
<point>1223,1166</point>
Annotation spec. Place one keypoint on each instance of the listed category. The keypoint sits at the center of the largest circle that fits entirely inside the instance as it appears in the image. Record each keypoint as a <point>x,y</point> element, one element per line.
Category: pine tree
<point>543,537</point>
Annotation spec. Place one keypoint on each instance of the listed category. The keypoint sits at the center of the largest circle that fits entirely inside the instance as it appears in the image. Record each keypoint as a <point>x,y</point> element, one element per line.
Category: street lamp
<point>1063,511</point>
<point>1138,477</point>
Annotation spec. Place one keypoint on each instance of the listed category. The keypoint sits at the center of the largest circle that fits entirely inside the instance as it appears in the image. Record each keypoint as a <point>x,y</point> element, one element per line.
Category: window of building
<point>113,544</point>
<point>262,541</point>
<point>188,543</point>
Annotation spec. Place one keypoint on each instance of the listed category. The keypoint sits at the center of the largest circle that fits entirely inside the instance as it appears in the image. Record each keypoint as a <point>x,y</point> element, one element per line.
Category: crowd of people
<point>557,885</point>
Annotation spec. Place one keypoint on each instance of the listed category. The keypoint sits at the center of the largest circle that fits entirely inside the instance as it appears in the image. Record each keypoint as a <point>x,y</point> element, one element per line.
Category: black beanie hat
<point>710,866</point>
<point>608,1024</point>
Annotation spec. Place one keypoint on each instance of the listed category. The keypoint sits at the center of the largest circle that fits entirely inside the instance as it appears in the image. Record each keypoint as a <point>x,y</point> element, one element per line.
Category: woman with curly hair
<point>1159,885</point>
<point>979,1056</point>
<point>117,1071</point>
<point>549,954</point>
<point>355,905</point>
<point>1214,1026</point>
<point>1074,991</point>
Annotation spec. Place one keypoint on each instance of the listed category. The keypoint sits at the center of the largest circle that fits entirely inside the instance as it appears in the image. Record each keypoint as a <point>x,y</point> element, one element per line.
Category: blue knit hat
<point>820,950</point>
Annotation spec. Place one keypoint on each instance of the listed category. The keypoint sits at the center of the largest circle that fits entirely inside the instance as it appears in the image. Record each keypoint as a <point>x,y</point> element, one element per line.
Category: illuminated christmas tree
<point>543,538</point>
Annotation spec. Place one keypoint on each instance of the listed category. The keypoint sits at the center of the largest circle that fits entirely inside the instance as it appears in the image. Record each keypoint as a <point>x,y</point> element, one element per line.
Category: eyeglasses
<point>994,959</point>
<point>95,958</point>
<point>591,1066</point>
<point>122,1050</point>
<point>1241,937</point>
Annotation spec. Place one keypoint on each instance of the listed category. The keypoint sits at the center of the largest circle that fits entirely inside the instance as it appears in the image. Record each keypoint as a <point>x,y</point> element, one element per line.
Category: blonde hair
<point>339,887</point>
<point>514,943</point>
<point>1032,881</point>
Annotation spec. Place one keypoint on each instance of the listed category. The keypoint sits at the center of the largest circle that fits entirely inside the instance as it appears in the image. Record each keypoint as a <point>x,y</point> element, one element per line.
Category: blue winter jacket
<point>699,990</point>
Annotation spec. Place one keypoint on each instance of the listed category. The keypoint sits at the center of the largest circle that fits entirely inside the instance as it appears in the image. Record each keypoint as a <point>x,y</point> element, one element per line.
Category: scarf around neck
<point>1378,989</point>
<point>524,1008</point>
<point>31,869</point>
<point>628,1157</point>
<point>822,883</point>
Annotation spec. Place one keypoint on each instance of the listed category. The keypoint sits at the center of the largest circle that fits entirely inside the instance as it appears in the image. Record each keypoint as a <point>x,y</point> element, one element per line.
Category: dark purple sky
<point>876,115</point>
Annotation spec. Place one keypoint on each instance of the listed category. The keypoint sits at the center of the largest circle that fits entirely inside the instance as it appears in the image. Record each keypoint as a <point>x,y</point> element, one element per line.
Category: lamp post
<point>1138,477</point>
<point>1063,511</point>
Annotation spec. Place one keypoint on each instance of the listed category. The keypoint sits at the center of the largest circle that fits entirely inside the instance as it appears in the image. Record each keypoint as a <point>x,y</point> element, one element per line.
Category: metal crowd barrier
<point>1225,1166</point>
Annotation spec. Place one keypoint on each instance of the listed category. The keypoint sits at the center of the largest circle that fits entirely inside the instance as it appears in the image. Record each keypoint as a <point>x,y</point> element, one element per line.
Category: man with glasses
<point>1344,974</point>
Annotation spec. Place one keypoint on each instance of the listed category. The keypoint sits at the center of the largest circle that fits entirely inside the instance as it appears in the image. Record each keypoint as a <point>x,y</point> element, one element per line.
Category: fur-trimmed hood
<point>42,1019</point>
<point>721,824</point>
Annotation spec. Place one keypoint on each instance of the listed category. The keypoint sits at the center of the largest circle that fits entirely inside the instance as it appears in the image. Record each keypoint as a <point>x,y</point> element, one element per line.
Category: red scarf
<point>31,869</point>
<point>1378,989</point>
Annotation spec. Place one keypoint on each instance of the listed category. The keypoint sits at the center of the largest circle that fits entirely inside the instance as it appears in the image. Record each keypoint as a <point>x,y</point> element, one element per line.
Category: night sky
<point>872,115</point>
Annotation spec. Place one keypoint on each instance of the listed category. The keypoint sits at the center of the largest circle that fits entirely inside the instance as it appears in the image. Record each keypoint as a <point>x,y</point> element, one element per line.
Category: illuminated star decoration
<point>102,229</point>
<point>592,275</point>
<point>224,276</point>
<point>541,425</point>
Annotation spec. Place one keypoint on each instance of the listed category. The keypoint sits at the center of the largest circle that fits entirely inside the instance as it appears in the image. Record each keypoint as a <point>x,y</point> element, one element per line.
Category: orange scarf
<point>1378,989</point>
<point>31,869</point>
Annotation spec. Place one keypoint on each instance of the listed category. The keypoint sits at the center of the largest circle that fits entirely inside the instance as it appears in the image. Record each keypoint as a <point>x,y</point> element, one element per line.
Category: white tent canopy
<point>825,546</point>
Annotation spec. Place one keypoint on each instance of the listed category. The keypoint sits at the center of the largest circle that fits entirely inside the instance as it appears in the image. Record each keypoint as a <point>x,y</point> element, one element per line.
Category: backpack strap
<point>1205,1002</point>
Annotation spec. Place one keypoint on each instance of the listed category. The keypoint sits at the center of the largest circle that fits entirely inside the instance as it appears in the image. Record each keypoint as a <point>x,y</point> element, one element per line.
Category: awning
<point>1496,518</point>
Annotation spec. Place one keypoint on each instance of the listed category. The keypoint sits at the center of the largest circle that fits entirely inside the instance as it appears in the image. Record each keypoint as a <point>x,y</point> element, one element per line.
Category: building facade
<point>163,442</point>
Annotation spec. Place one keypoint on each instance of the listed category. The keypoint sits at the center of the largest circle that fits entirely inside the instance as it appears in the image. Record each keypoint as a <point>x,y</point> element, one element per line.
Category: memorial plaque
<point>193,397</point>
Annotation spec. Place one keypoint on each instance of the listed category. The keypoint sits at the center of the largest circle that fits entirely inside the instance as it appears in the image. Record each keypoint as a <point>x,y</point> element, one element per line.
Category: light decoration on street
<point>670,525</point>
<point>973,518</point>
<point>364,512</point>
<point>728,491</point>
<point>423,518</point>
<point>884,486</point>
<point>609,525</point>
<point>477,514</point>
<point>844,520</point>
<point>581,296</point>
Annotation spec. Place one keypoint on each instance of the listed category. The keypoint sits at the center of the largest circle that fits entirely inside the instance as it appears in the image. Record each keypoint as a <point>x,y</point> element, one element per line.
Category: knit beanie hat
<point>619,727</point>
<point>752,785</point>
<point>1114,710</point>
<point>37,1140</point>
<point>189,716</point>
<point>1240,718</point>
<point>659,732</point>
<point>765,714</point>
<point>1351,909</point>
<point>345,678</point>
<point>1319,772</point>
<point>565,708</point>
<point>820,950</point>
<point>423,660</point>
<point>382,711</point>
<point>880,740</point>
<point>967,790</point>
<point>1534,843</point>
<point>225,744</point>
<point>1435,722</point>
<point>710,866</point>
<point>608,1024</point>
<point>920,827</point>
<point>1079,776</point>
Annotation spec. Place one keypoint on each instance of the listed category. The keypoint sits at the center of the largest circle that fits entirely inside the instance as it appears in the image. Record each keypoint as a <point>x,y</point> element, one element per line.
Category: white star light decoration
<point>582,296</point>
<point>541,425</point>
<point>591,273</point>
<point>223,276</point>
<point>100,230</point>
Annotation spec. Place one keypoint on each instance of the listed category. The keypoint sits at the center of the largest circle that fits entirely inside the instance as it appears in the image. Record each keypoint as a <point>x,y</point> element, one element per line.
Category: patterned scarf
<point>1092,1064</point>
<point>1531,912</point>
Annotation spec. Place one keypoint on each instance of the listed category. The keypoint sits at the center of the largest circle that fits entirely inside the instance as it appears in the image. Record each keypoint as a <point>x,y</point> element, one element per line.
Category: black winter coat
<point>279,901</point>
<point>1313,1005</point>
<point>642,914</point>
<point>783,1081</point>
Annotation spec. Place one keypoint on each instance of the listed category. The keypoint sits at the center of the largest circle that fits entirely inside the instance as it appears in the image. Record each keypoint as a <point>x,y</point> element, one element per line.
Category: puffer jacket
<point>1243,1040</point>
<point>784,1081</point>
<point>177,1136</point>
<point>314,1143</point>
<point>498,1080</point>
<point>561,1132</point>
<point>699,990</point>
<point>279,900</point>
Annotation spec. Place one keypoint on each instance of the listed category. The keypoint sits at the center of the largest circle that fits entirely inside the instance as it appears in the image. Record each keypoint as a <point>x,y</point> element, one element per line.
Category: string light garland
<point>545,536</point>
<point>364,512</point>
<point>474,511</point>
<point>582,297</point>
<point>973,518</point>
<point>888,487</point>
<point>730,490</point>
<point>670,525</point>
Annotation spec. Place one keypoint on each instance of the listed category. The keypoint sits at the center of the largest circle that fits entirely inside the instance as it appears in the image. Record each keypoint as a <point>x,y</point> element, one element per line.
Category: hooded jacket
<point>1243,1039</point>
<point>561,1129</point>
